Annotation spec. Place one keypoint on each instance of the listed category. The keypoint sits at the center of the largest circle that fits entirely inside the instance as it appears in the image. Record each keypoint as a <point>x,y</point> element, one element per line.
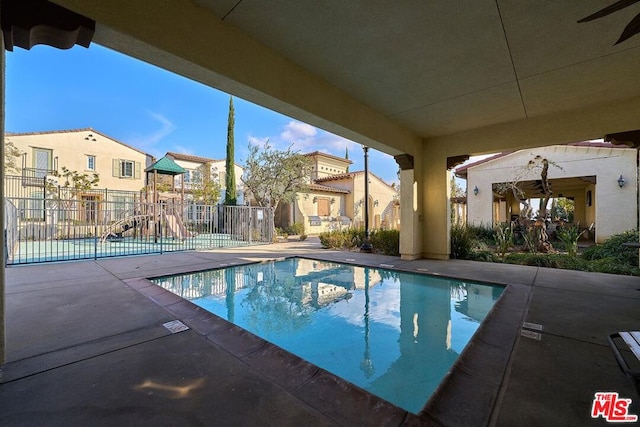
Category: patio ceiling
<point>392,71</point>
<point>533,189</point>
<point>442,67</point>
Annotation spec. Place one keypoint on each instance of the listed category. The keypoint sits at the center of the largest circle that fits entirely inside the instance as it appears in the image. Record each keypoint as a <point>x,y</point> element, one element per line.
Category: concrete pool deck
<point>86,346</point>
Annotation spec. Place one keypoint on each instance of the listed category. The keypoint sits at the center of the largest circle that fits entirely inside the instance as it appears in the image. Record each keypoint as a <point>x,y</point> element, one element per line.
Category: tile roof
<point>190,158</point>
<point>166,166</point>
<point>326,188</point>
<point>49,132</point>
<point>348,175</point>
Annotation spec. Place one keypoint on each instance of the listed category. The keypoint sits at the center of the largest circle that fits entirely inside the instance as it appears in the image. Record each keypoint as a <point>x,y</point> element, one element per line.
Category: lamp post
<point>366,246</point>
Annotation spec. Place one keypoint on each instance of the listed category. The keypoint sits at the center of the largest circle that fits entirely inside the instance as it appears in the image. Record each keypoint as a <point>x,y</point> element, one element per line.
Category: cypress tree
<point>346,156</point>
<point>230,177</point>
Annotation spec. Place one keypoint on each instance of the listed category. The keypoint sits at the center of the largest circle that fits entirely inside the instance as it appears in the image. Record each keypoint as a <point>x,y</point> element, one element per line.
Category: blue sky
<point>152,109</point>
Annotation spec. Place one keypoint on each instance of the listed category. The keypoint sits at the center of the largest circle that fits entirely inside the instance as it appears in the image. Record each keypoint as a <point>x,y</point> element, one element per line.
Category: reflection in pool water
<point>394,334</point>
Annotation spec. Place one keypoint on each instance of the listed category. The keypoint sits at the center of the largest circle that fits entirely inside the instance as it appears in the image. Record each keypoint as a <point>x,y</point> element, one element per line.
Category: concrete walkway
<point>86,346</point>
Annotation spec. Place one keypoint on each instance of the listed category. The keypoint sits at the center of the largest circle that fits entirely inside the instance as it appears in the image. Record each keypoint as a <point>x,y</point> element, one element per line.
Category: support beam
<point>561,128</point>
<point>437,218</point>
<point>411,218</point>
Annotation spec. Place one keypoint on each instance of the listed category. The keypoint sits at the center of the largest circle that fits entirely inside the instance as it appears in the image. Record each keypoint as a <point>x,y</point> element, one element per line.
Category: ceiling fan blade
<point>621,4</point>
<point>630,30</point>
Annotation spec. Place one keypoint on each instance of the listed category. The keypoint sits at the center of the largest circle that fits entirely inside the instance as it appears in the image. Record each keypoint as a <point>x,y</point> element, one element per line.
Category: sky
<point>152,109</point>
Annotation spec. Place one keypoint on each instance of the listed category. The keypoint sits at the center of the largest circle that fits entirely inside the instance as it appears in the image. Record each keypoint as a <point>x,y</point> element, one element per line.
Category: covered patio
<point>430,83</point>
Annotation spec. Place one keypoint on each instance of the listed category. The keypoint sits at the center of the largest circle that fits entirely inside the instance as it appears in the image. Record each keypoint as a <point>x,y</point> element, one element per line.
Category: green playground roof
<point>166,166</point>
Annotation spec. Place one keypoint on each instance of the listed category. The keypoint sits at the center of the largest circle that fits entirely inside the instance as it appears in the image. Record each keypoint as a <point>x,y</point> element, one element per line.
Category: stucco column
<point>411,220</point>
<point>437,220</point>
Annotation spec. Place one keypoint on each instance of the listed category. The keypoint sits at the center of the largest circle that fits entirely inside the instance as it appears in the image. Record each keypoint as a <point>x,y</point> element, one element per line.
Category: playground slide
<point>178,230</point>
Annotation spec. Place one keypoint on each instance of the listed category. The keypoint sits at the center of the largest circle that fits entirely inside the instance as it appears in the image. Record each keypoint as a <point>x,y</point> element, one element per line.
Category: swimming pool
<point>391,333</point>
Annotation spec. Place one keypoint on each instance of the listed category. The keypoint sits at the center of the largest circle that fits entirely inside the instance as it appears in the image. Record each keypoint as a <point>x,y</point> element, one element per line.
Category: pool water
<point>391,333</point>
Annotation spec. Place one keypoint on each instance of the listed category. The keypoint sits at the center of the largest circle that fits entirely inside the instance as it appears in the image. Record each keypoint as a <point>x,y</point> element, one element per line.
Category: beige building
<point>43,154</point>
<point>335,199</point>
<point>600,179</point>
<point>200,169</point>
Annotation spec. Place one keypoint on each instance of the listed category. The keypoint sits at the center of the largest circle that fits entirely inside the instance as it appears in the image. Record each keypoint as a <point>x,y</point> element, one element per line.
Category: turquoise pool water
<point>393,334</point>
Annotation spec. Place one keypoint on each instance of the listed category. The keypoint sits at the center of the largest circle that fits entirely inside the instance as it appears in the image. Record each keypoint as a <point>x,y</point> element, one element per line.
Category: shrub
<point>332,239</point>
<point>483,255</point>
<point>503,235</point>
<point>348,238</point>
<point>482,233</point>
<point>613,266</point>
<point>612,248</point>
<point>386,242</point>
<point>569,237</point>
<point>462,241</point>
<point>295,229</point>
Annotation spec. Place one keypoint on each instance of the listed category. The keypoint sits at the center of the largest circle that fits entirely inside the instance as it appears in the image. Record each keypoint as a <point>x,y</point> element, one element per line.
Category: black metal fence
<point>91,226</point>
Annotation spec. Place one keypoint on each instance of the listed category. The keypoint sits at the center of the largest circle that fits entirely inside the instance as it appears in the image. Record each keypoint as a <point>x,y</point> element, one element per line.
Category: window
<point>126,168</point>
<point>323,207</point>
<point>91,163</point>
<point>42,161</point>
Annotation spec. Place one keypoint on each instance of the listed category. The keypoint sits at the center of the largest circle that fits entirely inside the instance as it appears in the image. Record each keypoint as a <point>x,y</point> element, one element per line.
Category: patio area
<point>86,346</point>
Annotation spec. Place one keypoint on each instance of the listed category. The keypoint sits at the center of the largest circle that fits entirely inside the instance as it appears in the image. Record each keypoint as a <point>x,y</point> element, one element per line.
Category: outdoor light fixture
<point>315,199</point>
<point>476,191</point>
<point>621,181</point>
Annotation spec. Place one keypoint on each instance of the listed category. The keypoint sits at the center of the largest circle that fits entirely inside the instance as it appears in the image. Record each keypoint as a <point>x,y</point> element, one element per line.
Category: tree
<point>456,190</point>
<point>562,208</point>
<point>536,233</point>
<point>11,155</point>
<point>274,176</point>
<point>230,197</point>
<point>206,189</point>
<point>346,156</point>
<point>69,192</point>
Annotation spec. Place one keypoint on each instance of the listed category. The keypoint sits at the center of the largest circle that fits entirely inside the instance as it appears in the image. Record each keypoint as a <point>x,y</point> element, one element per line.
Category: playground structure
<point>157,212</point>
<point>151,220</point>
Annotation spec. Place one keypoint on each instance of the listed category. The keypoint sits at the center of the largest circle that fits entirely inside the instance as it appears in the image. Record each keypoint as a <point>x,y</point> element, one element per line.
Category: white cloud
<point>183,150</point>
<point>296,132</point>
<point>259,141</point>
<point>147,142</point>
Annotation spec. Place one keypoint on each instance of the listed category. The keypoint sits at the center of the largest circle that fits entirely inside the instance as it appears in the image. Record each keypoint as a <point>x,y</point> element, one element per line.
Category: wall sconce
<point>333,200</point>
<point>476,191</point>
<point>375,203</point>
<point>315,199</point>
<point>621,181</point>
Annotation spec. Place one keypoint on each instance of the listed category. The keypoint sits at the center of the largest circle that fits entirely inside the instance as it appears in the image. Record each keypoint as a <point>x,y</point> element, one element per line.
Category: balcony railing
<point>34,177</point>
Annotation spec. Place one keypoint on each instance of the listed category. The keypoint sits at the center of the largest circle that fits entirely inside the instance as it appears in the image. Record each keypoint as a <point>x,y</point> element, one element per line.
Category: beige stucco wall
<point>324,166</point>
<point>381,199</point>
<point>305,207</point>
<point>72,148</point>
<point>613,209</point>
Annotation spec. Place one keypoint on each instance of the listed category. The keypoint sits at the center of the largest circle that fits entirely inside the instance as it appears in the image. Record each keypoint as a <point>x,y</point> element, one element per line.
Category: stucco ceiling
<point>439,67</point>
